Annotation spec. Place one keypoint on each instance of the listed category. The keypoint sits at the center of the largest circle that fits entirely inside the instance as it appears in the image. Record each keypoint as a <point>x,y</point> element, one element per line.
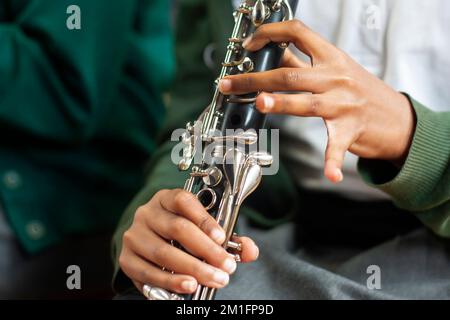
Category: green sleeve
<point>190,94</point>
<point>422,185</point>
<point>55,83</point>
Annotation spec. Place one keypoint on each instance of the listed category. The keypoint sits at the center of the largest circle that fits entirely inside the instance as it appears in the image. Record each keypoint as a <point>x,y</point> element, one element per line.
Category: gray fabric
<point>415,266</point>
<point>44,276</point>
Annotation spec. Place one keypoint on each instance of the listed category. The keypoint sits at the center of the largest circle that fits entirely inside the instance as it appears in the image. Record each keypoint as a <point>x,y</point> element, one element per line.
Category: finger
<point>282,79</point>
<point>141,271</point>
<point>191,238</point>
<point>171,258</point>
<point>334,157</point>
<point>307,41</point>
<point>249,250</point>
<point>290,60</point>
<point>303,105</point>
<point>187,205</point>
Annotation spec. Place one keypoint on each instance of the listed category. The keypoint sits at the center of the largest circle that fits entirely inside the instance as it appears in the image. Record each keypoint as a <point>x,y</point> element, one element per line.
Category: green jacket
<point>79,110</point>
<point>421,186</point>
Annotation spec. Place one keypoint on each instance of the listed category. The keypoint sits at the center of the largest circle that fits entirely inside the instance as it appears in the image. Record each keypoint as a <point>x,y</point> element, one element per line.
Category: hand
<point>178,215</point>
<point>363,115</point>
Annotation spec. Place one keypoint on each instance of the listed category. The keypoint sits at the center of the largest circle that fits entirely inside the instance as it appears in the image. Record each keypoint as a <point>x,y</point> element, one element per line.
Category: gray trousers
<point>412,266</point>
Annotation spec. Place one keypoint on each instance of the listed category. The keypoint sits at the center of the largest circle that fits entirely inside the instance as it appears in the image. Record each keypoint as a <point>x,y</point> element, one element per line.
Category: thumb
<point>249,250</point>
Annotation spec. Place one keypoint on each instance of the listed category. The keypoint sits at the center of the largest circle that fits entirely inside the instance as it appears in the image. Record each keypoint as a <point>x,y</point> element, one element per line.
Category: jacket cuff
<point>412,188</point>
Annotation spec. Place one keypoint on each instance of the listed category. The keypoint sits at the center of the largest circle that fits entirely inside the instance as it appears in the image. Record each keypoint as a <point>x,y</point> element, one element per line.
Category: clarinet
<point>224,169</point>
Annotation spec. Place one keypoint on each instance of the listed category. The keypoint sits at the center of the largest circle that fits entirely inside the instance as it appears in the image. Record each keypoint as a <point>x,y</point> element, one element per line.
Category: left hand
<point>363,114</point>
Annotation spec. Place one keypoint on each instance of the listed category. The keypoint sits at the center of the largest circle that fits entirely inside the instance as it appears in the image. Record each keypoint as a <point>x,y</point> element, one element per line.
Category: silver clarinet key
<point>259,13</point>
<point>159,294</point>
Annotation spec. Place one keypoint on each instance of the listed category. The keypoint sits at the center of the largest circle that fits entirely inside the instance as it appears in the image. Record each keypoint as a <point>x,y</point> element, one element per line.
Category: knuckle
<point>315,105</point>
<point>346,107</point>
<point>197,270</point>
<point>346,82</point>
<point>282,104</point>
<point>160,253</point>
<point>359,105</point>
<point>141,213</point>
<point>205,223</point>
<point>261,30</point>
<point>340,58</point>
<point>182,197</point>
<point>297,26</point>
<point>169,283</point>
<point>246,83</point>
<point>215,256</point>
<point>146,275</point>
<point>127,238</point>
<point>290,77</point>
<point>161,193</point>
<point>352,106</point>
<point>359,130</point>
<point>217,252</point>
<point>179,226</point>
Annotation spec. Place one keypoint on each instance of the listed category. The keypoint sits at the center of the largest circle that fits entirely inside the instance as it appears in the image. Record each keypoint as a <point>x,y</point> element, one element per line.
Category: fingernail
<point>221,277</point>
<point>247,42</point>
<point>229,266</point>
<point>339,175</point>
<point>189,285</point>
<point>217,235</point>
<point>225,85</point>
<point>269,102</point>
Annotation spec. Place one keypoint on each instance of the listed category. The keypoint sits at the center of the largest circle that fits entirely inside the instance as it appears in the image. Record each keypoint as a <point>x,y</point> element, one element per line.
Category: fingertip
<point>188,285</point>
<point>217,235</point>
<point>334,174</point>
<point>265,103</point>
<point>251,254</point>
<point>250,251</point>
<point>225,85</point>
<point>229,265</point>
<point>221,278</point>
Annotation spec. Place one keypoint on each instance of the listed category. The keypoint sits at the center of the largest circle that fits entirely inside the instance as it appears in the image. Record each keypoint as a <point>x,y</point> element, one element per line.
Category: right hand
<point>362,114</point>
<point>178,215</point>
